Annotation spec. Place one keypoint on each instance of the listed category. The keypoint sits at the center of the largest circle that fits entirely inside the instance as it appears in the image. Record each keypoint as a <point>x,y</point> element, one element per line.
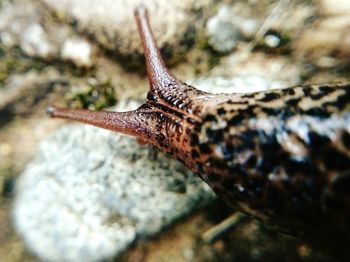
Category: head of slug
<point>170,114</point>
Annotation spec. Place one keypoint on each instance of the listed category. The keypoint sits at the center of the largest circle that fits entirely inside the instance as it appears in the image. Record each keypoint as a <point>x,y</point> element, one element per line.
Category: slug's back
<point>282,156</point>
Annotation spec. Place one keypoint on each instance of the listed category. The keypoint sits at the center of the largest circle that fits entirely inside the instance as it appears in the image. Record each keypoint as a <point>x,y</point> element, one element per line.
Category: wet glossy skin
<point>282,156</point>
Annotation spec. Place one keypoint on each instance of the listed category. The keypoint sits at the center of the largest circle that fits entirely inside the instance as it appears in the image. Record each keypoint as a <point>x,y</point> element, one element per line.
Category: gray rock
<point>90,192</point>
<point>326,43</point>
<point>222,33</point>
<point>112,23</point>
<point>20,26</point>
<point>237,84</point>
<point>21,92</point>
<point>342,7</point>
<point>23,24</point>
<point>227,27</point>
<point>14,20</point>
<point>78,51</point>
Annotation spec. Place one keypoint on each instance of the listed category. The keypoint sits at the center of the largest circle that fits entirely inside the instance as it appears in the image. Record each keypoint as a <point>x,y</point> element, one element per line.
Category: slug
<point>282,156</point>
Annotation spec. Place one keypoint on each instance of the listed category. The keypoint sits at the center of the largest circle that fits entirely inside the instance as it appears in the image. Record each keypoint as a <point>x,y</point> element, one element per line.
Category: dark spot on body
<point>217,163</point>
<point>255,187</point>
<point>194,140</point>
<point>326,89</point>
<point>317,140</point>
<point>274,197</point>
<point>190,120</point>
<point>251,162</point>
<point>307,91</point>
<point>317,96</point>
<point>289,91</point>
<point>247,140</point>
<point>303,166</point>
<point>152,97</point>
<point>265,166</point>
<point>270,97</point>
<point>336,160</point>
<point>271,111</point>
<point>344,100</point>
<point>228,184</point>
<point>228,151</point>
<point>333,203</point>
<point>341,185</point>
<point>213,177</point>
<point>293,102</point>
<point>221,111</point>
<point>235,120</point>
<point>317,112</point>
<point>210,118</point>
<point>219,191</point>
<point>345,137</point>
<point>269,145</point>
<point>252,95</point>
<point>200,168</point>
<point>215,136</point>
<point>237,170</point>
<point>194,153</point>
<point>8,187</point>
<point>204,148</point>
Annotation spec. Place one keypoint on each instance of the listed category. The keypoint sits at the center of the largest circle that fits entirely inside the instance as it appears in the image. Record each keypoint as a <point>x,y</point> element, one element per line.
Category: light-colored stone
<point>326,43</point>
<point>113,25</point>
<point>227,27</point>
<point>14,20</point>
<point>237,84</point>
<point>21,91</point>
<point>23,24</point>
<point>222,33</point>
<point>331,7</point>
<point>78,51</point>
<point>34,42</point>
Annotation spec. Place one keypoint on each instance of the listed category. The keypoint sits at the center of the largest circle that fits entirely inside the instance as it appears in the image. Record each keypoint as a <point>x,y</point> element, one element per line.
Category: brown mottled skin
<point>282,156</point>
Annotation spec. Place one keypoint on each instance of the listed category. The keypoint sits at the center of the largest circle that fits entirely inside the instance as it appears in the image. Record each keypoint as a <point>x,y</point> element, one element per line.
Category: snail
<point>282,156</point>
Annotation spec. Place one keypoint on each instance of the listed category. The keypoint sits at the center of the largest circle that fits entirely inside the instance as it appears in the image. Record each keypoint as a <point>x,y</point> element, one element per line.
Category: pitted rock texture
<point>113,25</point>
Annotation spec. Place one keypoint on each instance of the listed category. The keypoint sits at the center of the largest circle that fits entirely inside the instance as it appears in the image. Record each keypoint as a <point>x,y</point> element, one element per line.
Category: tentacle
<point>125,122</point>
<point>158,74</point>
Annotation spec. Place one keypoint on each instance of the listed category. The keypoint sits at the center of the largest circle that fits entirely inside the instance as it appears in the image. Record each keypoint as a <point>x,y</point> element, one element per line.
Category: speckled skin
<point>282,156</point>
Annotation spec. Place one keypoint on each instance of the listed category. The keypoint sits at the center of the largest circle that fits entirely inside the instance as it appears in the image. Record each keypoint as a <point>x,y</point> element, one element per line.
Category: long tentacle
<point>158,74</point>
<point>124,122</point>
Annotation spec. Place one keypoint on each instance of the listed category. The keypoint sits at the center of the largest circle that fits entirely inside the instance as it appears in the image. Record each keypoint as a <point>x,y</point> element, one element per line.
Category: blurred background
<point>87,54</point>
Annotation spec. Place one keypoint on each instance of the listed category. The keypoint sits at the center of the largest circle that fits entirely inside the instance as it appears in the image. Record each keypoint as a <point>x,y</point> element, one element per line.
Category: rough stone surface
<point>113,25</point>
<point>327,42</point>
<point>14,20</point>
<point>222,33</point>
<point>22,24</point>
<point>238,84</point>
<point>341,7</point>
<point>22,91</point>
<point>227,27</point>
<point>78,51</point>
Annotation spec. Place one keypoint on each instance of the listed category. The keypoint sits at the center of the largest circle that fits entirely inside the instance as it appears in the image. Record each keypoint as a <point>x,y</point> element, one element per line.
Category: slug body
<point>282,156</point>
